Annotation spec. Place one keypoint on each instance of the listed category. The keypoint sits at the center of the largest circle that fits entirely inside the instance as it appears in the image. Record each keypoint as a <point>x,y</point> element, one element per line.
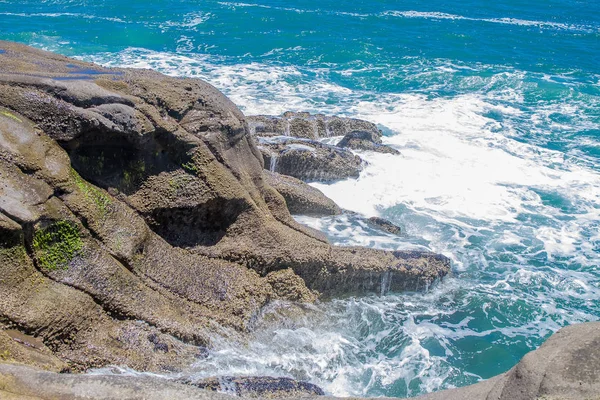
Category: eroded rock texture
<point>135,218</point>
<point>308,126</point>
<point>309,160</point>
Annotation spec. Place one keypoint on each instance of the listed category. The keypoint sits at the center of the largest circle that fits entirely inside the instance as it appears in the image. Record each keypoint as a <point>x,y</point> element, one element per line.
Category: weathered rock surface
<point>259,387</point>
<point>307,126</point>
<point>309,160</point>
<point>135,218</point>
<point>365,140</point>
<point>385,225</point>
<point>289,286</point>
<point>17,347</point>
<point>25,383</point>
<point>301,198</point>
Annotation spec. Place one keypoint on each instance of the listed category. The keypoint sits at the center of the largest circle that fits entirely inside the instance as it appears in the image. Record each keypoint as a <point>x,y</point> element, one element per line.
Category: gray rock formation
<point>309,160</point>
<point>307,126</point>
<point>365,140</point>
<point>259,387</point>
<point>384,225</point>
<point>135,219</point>
<point>301,199</point>
<point>18,382</point>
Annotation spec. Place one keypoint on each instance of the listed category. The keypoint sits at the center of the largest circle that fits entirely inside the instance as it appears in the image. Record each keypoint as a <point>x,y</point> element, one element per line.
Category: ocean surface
<point>495,108</point>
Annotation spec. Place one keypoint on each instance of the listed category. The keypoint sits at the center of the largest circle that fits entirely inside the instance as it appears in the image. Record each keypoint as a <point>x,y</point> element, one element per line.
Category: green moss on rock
<point>190,167</point>
<point>96,196</point>
<point>56,245</point>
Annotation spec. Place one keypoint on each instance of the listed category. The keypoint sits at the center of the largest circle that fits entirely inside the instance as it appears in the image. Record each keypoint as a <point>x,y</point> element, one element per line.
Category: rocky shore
<point>137,220</point>
<point>563,368</point>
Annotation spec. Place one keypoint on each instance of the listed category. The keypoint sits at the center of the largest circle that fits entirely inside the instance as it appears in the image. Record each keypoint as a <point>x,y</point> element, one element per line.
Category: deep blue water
<point>495,107</point>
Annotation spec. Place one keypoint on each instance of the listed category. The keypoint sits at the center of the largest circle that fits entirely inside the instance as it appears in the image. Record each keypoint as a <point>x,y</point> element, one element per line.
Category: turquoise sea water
<point>495,107</point>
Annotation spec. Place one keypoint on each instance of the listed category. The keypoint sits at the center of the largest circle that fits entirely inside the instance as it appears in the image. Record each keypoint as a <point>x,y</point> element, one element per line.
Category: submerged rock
<point>302,199</point>
<point>309,160</point>
<point>262,387</point>
<point>385,225</point>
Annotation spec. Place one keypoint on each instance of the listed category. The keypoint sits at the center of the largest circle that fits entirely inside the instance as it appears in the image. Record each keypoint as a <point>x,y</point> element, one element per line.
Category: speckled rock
<point>289,286</point>
<point>258,387</point>
<point>307,126</point>
<point>24,383</point>
<point>365,140</point>
<point>384,225</point>
<point>300,198</point>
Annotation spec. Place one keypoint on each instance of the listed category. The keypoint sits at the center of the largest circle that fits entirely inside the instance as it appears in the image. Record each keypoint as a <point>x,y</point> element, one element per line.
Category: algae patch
<point>101,200</point>
<point>56,245</point>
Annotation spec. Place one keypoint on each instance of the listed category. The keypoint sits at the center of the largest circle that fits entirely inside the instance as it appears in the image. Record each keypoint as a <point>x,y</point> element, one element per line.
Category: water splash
<point>273,162</point>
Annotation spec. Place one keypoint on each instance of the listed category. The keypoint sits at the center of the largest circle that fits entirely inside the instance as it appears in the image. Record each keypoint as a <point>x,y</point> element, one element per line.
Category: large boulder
<point>308,126</point>
<point>309,160</point>
<point>135,219</point>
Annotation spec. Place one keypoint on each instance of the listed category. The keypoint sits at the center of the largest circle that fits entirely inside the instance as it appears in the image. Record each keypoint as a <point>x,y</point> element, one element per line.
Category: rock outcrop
<point>301,198</point>
<point>365,140</point>
<point>307,126</point>
<point>24,383</point>
<point>309,160</point>
<point>290,144</point>
<point>384,225</point>
<point>259,387</point>
<point>135,218</point>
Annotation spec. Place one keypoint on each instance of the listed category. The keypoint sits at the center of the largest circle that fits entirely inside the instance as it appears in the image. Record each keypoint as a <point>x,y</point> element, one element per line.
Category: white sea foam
<point>501,20</point>
<point>190,22</point>
<point>64,14</point>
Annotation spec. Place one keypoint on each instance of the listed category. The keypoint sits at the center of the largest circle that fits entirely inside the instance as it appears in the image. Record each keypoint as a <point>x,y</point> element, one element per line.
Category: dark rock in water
<point>365,140</point>
<point>309,160</point>
<point>301,198</point>
<point>259,387</point>
<point>308,126</point>
<point>385,225</point>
